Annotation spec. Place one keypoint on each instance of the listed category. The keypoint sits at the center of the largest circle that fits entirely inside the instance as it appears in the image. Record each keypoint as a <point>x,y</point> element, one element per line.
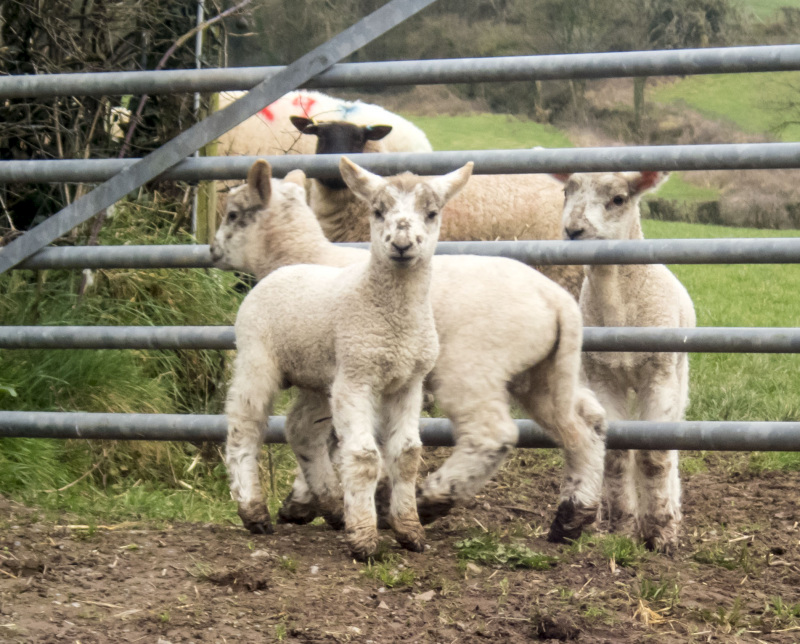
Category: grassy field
<point>487,132</point>
<point>754,103</point>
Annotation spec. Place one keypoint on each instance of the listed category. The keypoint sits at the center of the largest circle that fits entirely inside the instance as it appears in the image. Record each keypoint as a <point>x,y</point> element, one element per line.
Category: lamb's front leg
<point>657,476</point>
<point>253,386</point>
<point>353,408</point>
<point>402,451</point>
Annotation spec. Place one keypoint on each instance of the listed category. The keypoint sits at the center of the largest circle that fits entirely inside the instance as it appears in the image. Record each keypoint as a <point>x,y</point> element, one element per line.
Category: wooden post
<point>207,190</point>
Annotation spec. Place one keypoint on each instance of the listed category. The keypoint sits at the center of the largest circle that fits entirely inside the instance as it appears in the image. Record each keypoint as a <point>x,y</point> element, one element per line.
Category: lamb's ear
<point>363,183</point>
<point>304,124</point>
<point>641,182</point>
<point>449,185</point>
<point>563,177</point>
<point>297,177</point>
<point>259,182</point>
<point>377,132</point>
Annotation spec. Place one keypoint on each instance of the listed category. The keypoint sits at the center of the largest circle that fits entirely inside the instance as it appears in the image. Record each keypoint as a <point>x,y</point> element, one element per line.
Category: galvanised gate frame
<point>316,69</point>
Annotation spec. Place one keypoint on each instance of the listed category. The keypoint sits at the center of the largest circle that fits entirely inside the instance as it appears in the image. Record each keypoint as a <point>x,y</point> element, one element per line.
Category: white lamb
<point>491,207</point>
<point>642,487</point>
<point>270,131</point>
<point>504,330</point>
<point>364,333</point>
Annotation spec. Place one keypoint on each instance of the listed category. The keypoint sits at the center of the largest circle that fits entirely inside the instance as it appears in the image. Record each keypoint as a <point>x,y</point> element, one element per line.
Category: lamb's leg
<point>484,433</point>
<point>308,428</point>
<point>353,409</point>
<point>254,384</point>
<point>579,427</point>
<point>657,475</point>
<point>619,486</point>
<point>402,451</point>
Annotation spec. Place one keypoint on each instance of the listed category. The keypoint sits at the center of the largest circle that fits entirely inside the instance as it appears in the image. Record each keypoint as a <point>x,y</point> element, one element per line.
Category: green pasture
<point>753,103</point>
<point>766,10</point>
<point>488,132</point>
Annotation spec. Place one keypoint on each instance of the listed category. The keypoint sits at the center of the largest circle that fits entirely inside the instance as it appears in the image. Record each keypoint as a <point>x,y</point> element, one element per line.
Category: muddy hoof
<point>256,519</point>
<point>660,545</point>
<point>412,544</point>
<point>570,521</point>
<point>429,511</point>
<point>295,516</point>
<point>335,521</point>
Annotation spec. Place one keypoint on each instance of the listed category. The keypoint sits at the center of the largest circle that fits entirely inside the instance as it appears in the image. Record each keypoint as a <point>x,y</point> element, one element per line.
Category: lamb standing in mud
<point>642,487</point>
<point>499,322</point>
<point>366,334</point>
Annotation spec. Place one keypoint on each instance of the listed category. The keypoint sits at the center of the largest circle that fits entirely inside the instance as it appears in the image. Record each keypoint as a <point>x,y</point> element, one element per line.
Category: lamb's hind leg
<point>353,409</point>
<point>657,475</point>
<point>402,452</point>
<point>580,428</point>
<point>254,384</point>
<point>316,489</point>
<point>485,433</point>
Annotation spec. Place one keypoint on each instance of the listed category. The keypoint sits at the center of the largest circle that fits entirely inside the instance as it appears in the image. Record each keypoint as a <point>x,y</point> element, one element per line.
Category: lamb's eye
<point>232,217</point>
<point>378,214</point>
<point>432,214</point>
<point>618,200</point>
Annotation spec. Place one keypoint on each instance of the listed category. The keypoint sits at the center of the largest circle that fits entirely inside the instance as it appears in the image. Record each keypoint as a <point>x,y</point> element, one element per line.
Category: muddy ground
<point>140,582</point>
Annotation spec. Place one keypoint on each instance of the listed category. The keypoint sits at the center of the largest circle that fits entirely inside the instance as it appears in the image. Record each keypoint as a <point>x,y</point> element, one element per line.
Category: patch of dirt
<point>214,583</point>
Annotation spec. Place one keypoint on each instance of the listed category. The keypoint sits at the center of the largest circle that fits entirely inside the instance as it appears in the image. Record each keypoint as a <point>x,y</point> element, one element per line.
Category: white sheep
<point>642,488</point>
<point>491,207</point>
<point>364,334</point>
<point>504,331</point>
<point>270,131</point>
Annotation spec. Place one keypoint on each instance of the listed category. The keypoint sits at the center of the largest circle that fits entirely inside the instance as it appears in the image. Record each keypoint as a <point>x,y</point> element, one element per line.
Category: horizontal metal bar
<point>727,156</point>
<point>692,435</point>
<point>651,339</point>
<point>721,60</point>
<point>646,251</point>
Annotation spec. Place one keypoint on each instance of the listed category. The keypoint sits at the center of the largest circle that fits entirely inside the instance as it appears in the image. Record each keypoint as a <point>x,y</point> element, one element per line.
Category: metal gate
<point>317,69</point>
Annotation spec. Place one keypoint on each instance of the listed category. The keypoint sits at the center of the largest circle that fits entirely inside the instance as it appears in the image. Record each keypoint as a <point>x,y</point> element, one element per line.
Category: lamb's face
<point>244,205</point>
<point>604,205</point>
<point>229,248</point>
<point>405,219</point>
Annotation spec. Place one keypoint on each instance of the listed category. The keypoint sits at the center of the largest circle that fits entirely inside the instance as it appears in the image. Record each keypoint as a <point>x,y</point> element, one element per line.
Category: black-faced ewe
<point>504,331</point>
<point>364,334</point>
<point>491,207</point>
<point>642,488</point>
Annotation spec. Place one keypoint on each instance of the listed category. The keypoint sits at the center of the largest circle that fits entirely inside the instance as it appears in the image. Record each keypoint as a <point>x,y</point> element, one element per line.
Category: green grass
<point>678,189</point>
<point>124,480</point>
<point>392,571</point>
<point>623,550</point>
<point>487,549</point>
<point>755,103</point>
<point>767,10</point>
<point>740,386</point>
<point>487,132</point>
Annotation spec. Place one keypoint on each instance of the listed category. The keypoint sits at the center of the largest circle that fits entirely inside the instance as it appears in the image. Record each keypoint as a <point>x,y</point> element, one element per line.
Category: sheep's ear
<point>641,182</point>
<point>304,124</point>
<point>563,177</point>
<point>297,177</point>
<point>363,183</point>
<point>259,182</point>
<point>449,185</point>
<point>377,132</point>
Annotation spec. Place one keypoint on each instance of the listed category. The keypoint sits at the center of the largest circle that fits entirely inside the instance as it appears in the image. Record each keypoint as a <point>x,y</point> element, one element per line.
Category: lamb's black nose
<point>574,233</point>
<point>401,249</point>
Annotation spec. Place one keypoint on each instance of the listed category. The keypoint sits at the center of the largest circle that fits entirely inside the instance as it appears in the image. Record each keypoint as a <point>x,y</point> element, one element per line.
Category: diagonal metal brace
<point>314,62</point>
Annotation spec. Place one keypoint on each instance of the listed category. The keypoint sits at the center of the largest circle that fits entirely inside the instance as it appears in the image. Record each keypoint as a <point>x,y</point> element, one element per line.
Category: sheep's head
<point>605,205</point>
<point>248,205</point>
<point>340,137</point>
<point>405,218</point>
